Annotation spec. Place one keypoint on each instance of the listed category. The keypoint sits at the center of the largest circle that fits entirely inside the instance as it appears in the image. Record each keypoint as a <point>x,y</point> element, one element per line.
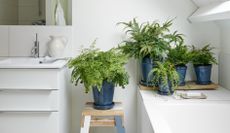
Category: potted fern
<point>180,56</point>
<point>166,77</point>
<point>202,60</point>
<point>100,71</point>
<point>148,42</point>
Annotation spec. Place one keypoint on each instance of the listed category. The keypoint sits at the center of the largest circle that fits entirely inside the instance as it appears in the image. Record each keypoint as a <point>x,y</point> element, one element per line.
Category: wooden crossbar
<point>102,118</point>
<point>102,123</point>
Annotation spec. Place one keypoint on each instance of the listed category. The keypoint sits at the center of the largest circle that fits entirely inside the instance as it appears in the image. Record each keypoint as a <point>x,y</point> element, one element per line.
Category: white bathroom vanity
<point>34,97</point>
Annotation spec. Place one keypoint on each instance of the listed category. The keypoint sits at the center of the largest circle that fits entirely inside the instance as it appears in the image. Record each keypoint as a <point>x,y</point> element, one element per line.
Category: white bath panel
<point>224,73</point>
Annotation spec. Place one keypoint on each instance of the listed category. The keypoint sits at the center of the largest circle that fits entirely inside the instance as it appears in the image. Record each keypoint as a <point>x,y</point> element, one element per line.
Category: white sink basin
<point>21,62</point>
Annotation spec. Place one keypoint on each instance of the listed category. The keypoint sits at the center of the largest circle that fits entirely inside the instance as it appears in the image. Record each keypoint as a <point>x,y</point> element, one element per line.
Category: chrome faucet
<point>35,49</point>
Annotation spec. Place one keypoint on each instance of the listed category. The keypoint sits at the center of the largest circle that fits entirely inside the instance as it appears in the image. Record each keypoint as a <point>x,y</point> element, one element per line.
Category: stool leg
<point>119,126</point>
<point>86,126</point>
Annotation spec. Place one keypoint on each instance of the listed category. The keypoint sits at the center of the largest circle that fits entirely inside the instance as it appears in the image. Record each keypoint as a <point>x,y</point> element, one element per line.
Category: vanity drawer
<point>29,78</point>
<point>33,122</point>
<point>28,99</point>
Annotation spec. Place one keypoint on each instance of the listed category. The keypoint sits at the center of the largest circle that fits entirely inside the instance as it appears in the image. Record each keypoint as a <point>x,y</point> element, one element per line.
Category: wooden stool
<point>99,118</point>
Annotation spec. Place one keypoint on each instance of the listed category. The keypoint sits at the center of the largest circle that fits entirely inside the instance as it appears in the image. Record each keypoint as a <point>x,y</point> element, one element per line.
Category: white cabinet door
<point>28,79</point>
<point>29,100</point>
<point>29,123</point>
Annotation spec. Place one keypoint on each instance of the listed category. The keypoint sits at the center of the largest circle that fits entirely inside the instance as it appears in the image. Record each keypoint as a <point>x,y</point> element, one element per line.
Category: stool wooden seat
<point>102,118</point>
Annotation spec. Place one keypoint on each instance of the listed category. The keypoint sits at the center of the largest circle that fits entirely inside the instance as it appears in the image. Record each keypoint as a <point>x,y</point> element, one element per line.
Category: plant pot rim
<point>181,65</point>
<point>200,65</point>
<point>148,57</point>
<point>152,58</point>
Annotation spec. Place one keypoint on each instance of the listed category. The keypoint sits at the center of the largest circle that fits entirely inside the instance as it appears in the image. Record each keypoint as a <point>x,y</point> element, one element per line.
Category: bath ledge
<point>168,114</point>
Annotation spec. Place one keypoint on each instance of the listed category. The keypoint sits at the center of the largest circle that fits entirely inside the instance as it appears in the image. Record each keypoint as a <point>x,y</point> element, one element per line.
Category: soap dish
<point>193,96</point>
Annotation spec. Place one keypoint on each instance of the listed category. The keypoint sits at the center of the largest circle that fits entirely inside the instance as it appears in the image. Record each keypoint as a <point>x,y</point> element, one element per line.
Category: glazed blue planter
<point>181,70</point>
<point>203,74</point>
<point>165,89</point>
<point>147,64</point>
<point>103,99</point>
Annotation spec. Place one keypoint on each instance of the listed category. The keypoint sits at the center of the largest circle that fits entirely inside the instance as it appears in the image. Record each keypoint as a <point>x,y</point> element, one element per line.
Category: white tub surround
<point>34,98</point>
<point>168,114</point>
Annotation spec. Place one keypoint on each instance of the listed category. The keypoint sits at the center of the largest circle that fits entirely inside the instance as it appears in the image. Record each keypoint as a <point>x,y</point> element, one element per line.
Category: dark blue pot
<point>165,89</point>
<point>147,64</point>
<point>203,74</point>
<point>103,99</point>
<point>181,70</point>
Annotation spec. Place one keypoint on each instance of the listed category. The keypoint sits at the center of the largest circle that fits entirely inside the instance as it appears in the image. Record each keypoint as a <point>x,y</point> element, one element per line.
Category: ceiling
<point>206,2</point>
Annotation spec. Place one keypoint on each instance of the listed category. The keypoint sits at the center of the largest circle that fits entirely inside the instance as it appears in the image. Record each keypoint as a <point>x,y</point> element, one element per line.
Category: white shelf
<point>212,12</point>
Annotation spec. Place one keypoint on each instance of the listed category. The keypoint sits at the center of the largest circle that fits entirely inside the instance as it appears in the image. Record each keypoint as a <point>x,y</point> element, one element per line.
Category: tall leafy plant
<point>148,39</point>
<point>93,66</point>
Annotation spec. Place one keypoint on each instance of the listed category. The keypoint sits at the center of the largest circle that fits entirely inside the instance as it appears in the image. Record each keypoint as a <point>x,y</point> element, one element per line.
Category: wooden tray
<point>191,85</point>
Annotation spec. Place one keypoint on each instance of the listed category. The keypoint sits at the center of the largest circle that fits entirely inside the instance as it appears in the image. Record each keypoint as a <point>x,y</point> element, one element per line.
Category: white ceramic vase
<point>56,46</point>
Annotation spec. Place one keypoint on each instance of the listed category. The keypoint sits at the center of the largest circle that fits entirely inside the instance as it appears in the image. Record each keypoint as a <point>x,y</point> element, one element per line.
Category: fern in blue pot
<point>100,71</point>
<point>180,56</point>
<point>203,59</point>
<point>166,77</point>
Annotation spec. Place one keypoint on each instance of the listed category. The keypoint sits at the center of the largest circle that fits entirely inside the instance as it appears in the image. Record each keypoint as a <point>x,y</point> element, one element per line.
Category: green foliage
<point>148,39</point>
<point>93,66</point>
<point>203,56</point>
<point>164,73</point>
<point>180,55</point>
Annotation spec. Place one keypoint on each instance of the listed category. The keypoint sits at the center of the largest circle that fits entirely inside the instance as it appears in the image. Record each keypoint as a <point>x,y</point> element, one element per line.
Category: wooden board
<point>117,110</point>
<point>191,85</point>
<point>102,117</point>
<point>147,88</point>
<point>102,122</point>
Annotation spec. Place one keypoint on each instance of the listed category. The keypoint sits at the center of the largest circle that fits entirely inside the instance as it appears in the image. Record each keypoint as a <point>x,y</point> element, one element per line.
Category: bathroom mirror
<point>36,12</point>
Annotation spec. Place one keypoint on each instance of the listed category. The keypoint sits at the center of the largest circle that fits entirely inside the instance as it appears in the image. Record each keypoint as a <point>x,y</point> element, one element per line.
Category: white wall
<point>19,40</point>
<point>97,19</point>
<point>224,64</point>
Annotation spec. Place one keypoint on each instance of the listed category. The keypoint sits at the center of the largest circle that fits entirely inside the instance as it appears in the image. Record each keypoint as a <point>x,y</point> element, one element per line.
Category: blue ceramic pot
<point>165,89</point>
<point>181,70</point>
<point>103,99</point>
<point>147,64</point>
<point>203,74</point>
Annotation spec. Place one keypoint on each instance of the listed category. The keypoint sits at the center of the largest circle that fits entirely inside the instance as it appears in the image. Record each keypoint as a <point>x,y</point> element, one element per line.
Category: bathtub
<point>169,115</point>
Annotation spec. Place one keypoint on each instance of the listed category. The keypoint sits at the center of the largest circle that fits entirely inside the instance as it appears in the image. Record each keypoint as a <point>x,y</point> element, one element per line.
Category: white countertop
<point>172,114</point>
<point>31,63</point>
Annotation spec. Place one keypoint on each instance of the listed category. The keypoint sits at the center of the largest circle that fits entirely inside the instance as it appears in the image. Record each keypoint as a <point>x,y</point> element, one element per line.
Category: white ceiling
<point>206,2</point>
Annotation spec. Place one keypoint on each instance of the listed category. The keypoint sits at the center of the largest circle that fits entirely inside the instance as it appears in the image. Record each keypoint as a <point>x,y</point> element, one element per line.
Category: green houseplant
<point>180,56</point>
<point>100,71</point>
<point>148,42</point>
<point>166,77</point>
<point>202,60</point>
